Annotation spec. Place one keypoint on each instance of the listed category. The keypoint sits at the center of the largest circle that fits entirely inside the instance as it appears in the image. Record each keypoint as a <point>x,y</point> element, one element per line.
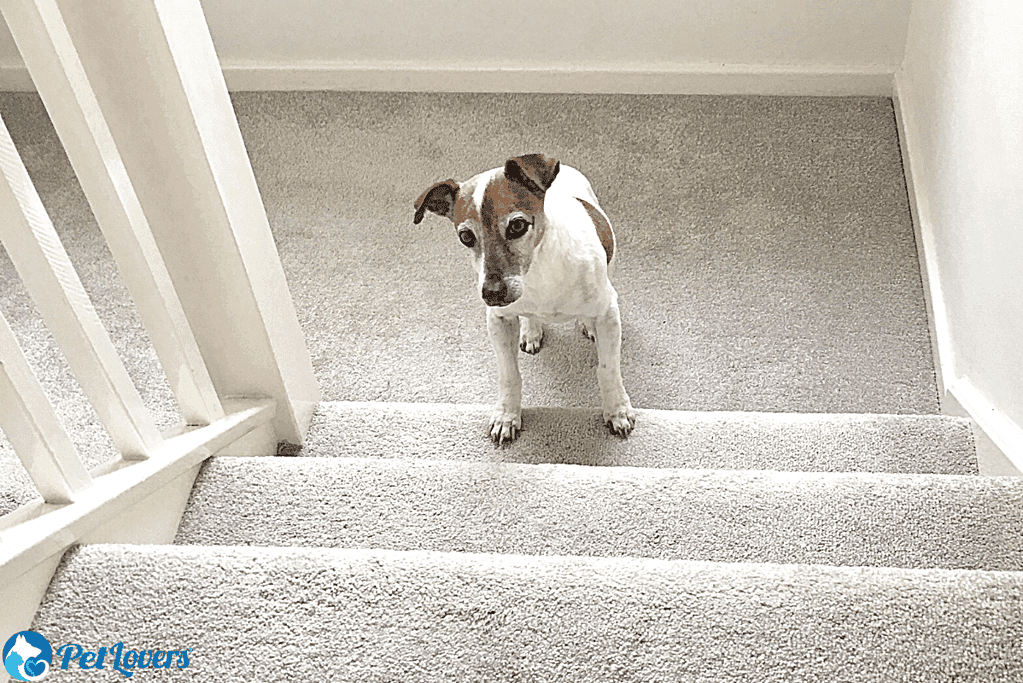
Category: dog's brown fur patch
<point>607,237</point>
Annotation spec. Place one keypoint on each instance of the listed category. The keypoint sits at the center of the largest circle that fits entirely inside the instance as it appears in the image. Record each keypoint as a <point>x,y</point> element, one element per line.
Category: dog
<point>544,251</point>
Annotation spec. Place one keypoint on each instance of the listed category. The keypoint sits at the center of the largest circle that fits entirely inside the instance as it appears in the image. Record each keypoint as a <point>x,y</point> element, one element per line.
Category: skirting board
<point>696,79</point>
<point>941,345</point>
<point>15,78</point>
<point>999,441</point>
<point>711,79</point>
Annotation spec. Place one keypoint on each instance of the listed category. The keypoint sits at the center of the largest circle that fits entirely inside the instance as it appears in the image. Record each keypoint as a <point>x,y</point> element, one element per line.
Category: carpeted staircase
<point>790,507</point>
<point>879,555</point>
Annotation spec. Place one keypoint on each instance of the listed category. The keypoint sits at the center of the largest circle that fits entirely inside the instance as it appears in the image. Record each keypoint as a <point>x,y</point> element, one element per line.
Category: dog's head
<point>499,216</point>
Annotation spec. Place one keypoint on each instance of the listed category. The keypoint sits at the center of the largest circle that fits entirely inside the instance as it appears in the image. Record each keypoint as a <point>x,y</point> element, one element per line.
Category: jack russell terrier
<point>544,251</point>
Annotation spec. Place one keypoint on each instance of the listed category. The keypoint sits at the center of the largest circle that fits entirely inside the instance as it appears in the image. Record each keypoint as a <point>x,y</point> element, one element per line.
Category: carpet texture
<point>790,507</point>
<point>350,615</point>
<point>855,519</point>
<point>809,442</point>
<point>766,253</point>
<point>766,256</point>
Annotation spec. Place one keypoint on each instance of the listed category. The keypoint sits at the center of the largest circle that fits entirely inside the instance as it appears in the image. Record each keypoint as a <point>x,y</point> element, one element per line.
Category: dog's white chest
<point>565,287</point>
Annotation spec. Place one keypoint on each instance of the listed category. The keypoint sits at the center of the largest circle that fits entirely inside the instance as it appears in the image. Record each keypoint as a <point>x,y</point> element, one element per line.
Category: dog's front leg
<point>617,408</point>
<point>506,419</point>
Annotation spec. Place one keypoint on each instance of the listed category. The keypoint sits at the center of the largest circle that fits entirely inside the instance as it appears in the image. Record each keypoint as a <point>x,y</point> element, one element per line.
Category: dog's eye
<point>517,227</point>
<point>467,238</point>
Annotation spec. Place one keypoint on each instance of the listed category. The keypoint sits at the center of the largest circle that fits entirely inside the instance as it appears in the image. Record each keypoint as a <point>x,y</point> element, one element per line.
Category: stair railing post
<point>38,255</point>
<point>60,79</point>
<point>153,67</point>
<point>31,424</point>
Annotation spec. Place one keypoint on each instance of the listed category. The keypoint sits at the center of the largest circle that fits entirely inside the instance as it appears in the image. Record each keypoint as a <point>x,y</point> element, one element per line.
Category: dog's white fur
<point>558,271</point>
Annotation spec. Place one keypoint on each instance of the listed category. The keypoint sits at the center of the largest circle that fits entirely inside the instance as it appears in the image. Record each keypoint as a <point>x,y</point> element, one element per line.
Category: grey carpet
<point>380,616</point>
<point>913,521</point>
<point>766,253</point>
<point>812,442</point>
<point>809,442</point>
<point>767,259</point>
<point>767,269</point>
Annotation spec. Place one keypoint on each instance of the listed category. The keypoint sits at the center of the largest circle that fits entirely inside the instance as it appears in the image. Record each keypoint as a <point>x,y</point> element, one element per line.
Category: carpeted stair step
<point>819,442</point>
<point>946,521</point>
<point>663,438</point>
<point>368,616</point>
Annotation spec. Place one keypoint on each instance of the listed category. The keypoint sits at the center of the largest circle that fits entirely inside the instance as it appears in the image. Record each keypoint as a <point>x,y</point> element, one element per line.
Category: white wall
<point>960,91</point>
<point>819,45</point>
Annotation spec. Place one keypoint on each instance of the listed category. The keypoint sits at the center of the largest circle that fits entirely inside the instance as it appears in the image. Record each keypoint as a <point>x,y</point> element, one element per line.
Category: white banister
<point>39,257</point>
<point>60,79</point>
<point>135,504</point>
<point>33,428</point>
<point>153,67</point>
<point>135,92</point>
<point>30,542</point>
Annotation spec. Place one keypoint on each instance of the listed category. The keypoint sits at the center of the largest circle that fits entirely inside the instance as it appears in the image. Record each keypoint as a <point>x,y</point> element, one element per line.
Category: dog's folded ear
<point>535,171</point>
<point>439,198</point>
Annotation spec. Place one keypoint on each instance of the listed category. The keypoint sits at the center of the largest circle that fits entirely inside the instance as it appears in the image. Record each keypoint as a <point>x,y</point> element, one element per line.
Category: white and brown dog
<point>544,251</point>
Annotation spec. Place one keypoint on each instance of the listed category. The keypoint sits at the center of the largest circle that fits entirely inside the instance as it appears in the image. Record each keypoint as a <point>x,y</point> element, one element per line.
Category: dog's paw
<point>530,335</point>
<point>504,425</point>
<point>620,419</point>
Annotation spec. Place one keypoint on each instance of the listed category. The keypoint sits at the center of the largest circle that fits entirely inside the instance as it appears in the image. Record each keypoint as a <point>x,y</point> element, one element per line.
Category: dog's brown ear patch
<point>439,198</point>
<point>535,171</point>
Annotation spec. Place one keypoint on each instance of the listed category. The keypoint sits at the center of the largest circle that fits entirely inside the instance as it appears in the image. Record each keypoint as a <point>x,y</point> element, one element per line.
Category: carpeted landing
<point>790,507</point>
<point>766,260</point>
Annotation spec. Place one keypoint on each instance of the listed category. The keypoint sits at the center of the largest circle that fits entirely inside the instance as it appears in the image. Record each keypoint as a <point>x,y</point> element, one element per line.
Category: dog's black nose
<point>495,291</point>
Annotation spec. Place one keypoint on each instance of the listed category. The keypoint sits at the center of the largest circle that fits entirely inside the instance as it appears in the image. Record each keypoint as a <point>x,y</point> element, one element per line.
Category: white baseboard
<point>712,79</point>
<point>15,78</point>
<point>708,79</point>
<point>941,345</point>
<point>999,440</point>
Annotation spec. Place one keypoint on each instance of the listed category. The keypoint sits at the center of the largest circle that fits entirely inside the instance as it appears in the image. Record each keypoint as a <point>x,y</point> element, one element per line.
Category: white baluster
<point>39,257</point>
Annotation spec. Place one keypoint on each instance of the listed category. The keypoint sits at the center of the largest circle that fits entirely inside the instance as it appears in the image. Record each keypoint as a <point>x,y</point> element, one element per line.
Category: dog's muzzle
<point>497,292</point>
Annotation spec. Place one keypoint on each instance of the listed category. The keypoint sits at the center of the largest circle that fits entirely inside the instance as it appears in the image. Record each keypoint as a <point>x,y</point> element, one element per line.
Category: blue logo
<point>27,656</point>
